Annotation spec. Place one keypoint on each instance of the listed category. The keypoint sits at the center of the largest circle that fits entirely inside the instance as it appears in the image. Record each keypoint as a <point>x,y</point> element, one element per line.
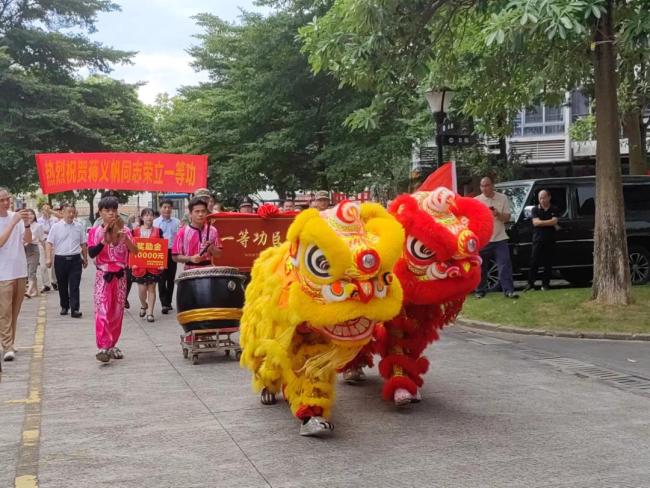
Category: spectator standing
<point>197,243</point>
<point>109,246</point>
<point>322,200</point>
<point>545,218</point>
<point>497,249</point>
<point>246,206</point>
<point>32,253</point>
<point>169,227</point>
<point>15,230</point>
<point>67,242</point>
<point>147,278</point>
<point>46,220</point>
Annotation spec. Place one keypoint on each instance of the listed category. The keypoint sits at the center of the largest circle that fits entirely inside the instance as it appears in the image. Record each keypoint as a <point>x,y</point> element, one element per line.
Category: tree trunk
<point>611,285</point>
<point>90,198</point>
<point>632,130</point>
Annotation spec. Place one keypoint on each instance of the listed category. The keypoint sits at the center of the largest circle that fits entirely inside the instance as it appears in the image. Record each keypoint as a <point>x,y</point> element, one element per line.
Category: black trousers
<point>542,254</point>
<point>68,275</point>
<point>166,283</point>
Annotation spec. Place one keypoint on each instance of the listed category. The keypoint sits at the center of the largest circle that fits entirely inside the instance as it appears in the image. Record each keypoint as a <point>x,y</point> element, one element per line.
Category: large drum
<point>209,298</point>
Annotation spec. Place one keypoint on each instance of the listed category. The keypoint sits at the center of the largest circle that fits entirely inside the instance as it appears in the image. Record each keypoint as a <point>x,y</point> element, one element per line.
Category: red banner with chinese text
<point>244,236</point>
<point>121,171</point>
<point>152,253</point>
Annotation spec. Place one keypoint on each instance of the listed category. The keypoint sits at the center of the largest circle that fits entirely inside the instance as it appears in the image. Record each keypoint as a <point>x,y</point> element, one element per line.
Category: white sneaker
<point>403,397</point>
<point>10,356</point>
<point>315,427</point>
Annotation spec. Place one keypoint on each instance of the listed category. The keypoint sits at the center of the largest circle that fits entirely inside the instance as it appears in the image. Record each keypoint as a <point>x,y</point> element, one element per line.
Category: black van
<point>575,197</point>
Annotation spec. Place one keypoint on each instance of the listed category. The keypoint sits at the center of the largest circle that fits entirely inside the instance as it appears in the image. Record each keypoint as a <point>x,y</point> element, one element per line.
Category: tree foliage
<point>267,121</point>
<point>45,106</point>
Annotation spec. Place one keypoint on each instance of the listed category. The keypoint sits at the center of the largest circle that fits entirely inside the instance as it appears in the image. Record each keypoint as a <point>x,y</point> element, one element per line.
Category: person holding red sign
<point>146,278</point>
<point>109,245</point>
<point>197,243</point>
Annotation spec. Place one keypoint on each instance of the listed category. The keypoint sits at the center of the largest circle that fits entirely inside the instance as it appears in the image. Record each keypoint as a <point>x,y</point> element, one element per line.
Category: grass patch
<point>567,309</point>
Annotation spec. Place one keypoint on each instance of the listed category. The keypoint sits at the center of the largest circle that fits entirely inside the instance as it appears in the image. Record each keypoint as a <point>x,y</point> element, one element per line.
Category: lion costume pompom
<point>312,304</point>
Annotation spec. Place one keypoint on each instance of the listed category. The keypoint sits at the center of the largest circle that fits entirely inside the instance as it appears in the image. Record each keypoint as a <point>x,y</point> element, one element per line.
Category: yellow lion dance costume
<point>313,302</point>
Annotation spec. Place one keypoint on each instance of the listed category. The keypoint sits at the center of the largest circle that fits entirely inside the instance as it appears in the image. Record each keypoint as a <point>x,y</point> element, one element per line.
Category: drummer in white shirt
<point>46,220</point>
<point>67,241</point>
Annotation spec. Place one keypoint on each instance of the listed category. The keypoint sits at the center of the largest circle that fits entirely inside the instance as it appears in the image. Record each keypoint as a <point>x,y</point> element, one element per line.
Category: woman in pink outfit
<point>109,245</point>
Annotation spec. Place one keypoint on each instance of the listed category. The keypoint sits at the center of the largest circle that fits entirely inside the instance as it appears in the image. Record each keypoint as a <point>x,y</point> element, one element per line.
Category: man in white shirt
<point>14,233</point>
<point>497,249</point>
<point>47,220</point>
<point>68,242</point>
<point>169,226</point>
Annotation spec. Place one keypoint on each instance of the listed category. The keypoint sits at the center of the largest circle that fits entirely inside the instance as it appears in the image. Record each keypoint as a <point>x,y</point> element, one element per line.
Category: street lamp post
<point>439,101</point>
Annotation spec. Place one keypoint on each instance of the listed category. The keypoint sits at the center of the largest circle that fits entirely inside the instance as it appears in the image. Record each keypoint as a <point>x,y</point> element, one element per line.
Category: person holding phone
<point>109,245</point>
<point>497,249</point>
<point>197,243</point>
<point>15,231</point>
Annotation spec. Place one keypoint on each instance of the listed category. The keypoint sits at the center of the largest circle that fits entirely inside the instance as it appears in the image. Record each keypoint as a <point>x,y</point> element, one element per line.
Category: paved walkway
<point>491,417</point>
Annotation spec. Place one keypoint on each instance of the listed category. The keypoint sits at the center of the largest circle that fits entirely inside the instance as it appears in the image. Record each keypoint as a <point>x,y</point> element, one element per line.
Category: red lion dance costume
<point>440,265</point>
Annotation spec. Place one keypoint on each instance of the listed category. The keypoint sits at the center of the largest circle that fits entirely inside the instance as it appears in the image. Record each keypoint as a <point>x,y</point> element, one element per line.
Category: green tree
<point>267,122</point>
<point>394,46</point>
<point>42,47</point>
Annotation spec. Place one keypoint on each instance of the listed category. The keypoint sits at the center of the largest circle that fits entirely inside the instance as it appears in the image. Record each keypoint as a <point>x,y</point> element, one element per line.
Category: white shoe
<point>403,397</point>
<point>316,427</point>
<point>353,375</point>
<point>9,356</point>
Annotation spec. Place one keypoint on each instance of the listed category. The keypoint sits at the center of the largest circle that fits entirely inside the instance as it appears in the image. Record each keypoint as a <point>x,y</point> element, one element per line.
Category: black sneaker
<point>76,314</point>
<point>45,289</point>
<point>55,286</point>
<point>479,294</point>
<point>165,310</point>
<point>511,294</point>
<point>64,311</point>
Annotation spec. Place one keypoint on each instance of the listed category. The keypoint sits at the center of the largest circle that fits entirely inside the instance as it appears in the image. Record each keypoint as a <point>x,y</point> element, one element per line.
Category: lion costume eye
<point>418,250</point>
<point>316,262</point>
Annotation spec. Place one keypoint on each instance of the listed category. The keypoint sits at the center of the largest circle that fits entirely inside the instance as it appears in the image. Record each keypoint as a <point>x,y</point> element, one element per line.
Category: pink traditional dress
<point>110,287</point>
<point>191,241</point>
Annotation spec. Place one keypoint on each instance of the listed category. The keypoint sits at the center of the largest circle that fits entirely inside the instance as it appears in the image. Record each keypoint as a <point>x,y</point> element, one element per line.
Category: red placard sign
<point>244,236</point>
<point>152,253</point>
<point>121,171</point>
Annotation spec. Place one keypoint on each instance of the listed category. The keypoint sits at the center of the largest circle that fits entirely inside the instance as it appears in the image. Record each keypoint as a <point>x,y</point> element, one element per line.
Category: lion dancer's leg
<point>309,388</point>
<point>400,345</point>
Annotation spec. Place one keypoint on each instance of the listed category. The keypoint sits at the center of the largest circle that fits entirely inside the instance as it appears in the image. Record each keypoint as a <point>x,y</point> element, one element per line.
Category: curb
<point>619,336</point>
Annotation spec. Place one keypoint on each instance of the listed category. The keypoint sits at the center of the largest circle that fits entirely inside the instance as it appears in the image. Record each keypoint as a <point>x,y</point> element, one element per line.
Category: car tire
<point>578,276</point>
<point>639,258</point>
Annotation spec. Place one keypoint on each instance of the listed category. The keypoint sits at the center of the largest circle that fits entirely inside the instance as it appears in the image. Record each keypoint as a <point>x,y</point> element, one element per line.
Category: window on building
<point>636,197</point>
<point>539,120</point>
<point>586,200</point>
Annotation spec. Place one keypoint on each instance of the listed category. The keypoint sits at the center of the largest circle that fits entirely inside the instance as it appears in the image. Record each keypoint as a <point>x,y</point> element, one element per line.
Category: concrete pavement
<point>493,415</point>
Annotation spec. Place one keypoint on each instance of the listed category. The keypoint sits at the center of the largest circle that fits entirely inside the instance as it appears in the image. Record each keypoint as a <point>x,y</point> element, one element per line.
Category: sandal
<point>143,311</point>
<point>115,353</point>
<point>150,318</point>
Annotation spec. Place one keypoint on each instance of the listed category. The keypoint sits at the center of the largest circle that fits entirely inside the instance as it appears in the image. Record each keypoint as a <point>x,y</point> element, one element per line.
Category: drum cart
<point>204,341</point>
